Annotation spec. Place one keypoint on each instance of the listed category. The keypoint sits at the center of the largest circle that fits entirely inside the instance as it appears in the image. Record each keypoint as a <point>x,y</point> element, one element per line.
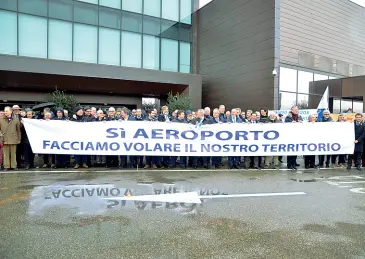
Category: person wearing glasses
<point>326,118</point>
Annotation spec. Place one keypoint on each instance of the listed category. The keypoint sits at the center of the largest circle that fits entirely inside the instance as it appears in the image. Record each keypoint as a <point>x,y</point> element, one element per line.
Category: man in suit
<point>326,118</point>
<point>293,117</point>
<point>234,161</point>
<point>199,121</point>
<point>222,112</point>
<point>207,113</point>
<point>164,117</point>
<point>217,119</point>
<point>124,116</point>
<point>11,133</point>
<point>252,161</point>
<point>182,161</point>
<point>359,139</point>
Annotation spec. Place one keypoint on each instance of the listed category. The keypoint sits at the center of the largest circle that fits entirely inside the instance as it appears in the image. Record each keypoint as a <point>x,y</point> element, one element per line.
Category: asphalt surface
<point>316,214</point>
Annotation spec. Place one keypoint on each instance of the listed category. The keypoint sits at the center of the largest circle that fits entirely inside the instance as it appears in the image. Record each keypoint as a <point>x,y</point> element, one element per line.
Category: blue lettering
<point>321,147</point>
<point>141,133</point>
<point>138,146</point>
<point>265,147</point>
<point>73,145</point>
<point>243,148</point>
<point>46,143</point>
<point>63,145</point>
<point>253,148</point>
<point>226,148</point>
<point>256,134</point>
<point>172,133</point>
<point>274,148</point>
<point>158,147</point>
<point>206,134</point>
<point>176,147</point>
<point>184,133</point>
<point>157,133</point>
<point>291,147</point>
<point>241,134</point>
<point>220,133</point>
<point>276,135</point>
<point>205,148</point>
<point>168,147</point>
<point>216,148</point>
<point>335,147</point>
<point>55,145</point>
<point>90,146</point>
<point>282,148</point>
<point>114,146</point>
<point>101,147</point>
<point>112,133</point>
<point>127,146</point>
<point>312,147</point>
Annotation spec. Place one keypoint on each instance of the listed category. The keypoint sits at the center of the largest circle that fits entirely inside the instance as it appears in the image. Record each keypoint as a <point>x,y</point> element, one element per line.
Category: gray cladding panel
<point>333,30</point>
<point>237,53</point>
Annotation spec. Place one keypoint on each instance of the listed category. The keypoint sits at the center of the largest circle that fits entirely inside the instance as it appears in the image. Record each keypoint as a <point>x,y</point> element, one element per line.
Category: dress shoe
<point>85,166</point>
<point>237,166</point>
<point>358,168</point>
<point>146,167</point>
<point>327,166</point>
<point>348,167</point>
<point>27,167</point>
<point>6,169</point>
<point>77,166</point>
<point>154,167</point>
<point>16,169</point>
<point>297,164</point>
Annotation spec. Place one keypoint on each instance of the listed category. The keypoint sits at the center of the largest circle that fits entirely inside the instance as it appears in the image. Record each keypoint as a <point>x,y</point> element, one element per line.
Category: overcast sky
<point>204,2</point>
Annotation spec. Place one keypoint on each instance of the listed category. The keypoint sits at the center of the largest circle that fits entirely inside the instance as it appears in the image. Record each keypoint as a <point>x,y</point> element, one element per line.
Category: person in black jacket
<point>100,160</point>
<point>164,117</point>
<point>182,161</point>
<point>310,160</point>
<point>152,161</point>
<point>217,119</point>
<point>61,160</point>
<point>326,118</point>
<point>263,115</point>
<point>79,117</point>
<point>359,128</point>
<point>293,117</point>
<point>28,153</point>
<point>199,121</point>
<point>124,116</point>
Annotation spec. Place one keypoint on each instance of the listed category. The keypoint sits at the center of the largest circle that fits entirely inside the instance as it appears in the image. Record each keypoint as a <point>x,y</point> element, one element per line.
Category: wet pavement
<point>304,214</point>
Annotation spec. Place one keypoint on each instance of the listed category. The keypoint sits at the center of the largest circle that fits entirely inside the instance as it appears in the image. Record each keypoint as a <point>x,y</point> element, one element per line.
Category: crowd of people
<point>16,152</point>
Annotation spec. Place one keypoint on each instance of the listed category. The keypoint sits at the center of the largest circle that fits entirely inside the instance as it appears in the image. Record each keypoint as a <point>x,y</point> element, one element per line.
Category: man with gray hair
<point>207,113</point>
<point>326,118</point>
<point>222,112</point>
<point>11,133</point>
<point>199,121</point>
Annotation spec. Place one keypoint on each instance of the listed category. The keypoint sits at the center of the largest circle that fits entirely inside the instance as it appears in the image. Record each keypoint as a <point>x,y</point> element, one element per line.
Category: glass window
<point>288,79</point>
<point>8,31</point>
<point>152,7</point>
<point>109,46</point>
<point>60,9</point>
<point>131,49</point>
<point>336,105</point>
<point>169,55</point>
<point>38,7</point>
<point>151,25</point>
<point>8,5</point>
<point>132,5</point>
<point>331,77</point>
<point>89,1</point>
<point>151,52</point>
<point>303,101</point>
<point>185,32</point>
<point>86,13</point>
<point>318,77</point>
<point>170,10</point>
<point>85,43</point>
<point>287,100</point>
<point>357,106</point>
<point>32,36</point>
<point>185,57</point>
<point>346,106</point>
<point>60,40</point>
<point>131,22</point>
<point>109,17</point>
<point>169,29</point>
<point>110,3</point>
<point>185,11</point>
<point>304,80</point>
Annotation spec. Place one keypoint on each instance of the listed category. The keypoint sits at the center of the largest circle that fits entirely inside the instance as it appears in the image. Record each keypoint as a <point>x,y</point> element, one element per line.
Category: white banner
<point>304,113</point>
<point>177,139</point>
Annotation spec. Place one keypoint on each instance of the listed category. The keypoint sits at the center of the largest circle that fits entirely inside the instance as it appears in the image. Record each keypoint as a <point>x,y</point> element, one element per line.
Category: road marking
<point>345,177</point>
<point>358,190</point>
<point>193,197</point>
<point>351,182</point>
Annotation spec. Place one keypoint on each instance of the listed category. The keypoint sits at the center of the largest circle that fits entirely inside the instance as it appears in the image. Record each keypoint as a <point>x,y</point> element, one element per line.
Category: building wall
<point>326,35</point>
<point>238,50</point>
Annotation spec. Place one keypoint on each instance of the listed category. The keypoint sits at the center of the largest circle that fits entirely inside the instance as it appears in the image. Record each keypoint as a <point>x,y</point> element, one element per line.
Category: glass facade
<point>152,34</point>
<point>305,88</point>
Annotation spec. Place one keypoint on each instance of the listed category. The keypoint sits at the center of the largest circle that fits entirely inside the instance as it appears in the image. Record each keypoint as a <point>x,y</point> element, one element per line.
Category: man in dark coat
<point>182,161</point>
<point>310,160</point>
<point>326,118</point>
<point>263,115</point>
<point>152,161</point>
<point>293,117</point>
<point>217,119</point>
<point>61,160</point>
<point>122,160</point>
<point>164,117</point>
<point>234,161</point>
<point>199,121</point>
<point>359,138</point>
<point>79,117</point>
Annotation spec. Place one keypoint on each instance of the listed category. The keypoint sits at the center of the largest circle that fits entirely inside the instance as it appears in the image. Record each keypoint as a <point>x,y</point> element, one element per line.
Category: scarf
<point>295,117</point>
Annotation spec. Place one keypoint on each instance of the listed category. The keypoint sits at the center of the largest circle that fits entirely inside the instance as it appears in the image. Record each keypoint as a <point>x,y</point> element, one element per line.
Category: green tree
<point>66,101</point>
<point>148,106</point>
<point>178,102</point>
